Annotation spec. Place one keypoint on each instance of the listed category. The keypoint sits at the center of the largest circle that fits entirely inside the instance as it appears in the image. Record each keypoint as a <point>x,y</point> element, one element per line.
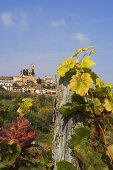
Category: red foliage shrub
<point>19,132</point>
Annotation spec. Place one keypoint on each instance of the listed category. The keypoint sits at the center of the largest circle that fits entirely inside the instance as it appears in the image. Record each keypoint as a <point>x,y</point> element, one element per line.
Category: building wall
<point>22,80</point>
<point>6,81</point>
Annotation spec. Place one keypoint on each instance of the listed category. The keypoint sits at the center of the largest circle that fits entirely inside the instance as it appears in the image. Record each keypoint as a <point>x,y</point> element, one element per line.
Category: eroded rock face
<point>63,128</point>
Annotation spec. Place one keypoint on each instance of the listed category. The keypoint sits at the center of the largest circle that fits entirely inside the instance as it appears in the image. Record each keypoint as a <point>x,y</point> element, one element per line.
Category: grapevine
<point>94,99</point>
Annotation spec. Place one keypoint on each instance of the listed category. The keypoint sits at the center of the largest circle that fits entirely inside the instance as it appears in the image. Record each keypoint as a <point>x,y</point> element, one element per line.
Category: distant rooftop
<point>4,78</point>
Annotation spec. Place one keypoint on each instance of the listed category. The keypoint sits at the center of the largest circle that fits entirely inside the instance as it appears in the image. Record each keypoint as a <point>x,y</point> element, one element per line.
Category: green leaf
<point>65,66</point>
<point>81,134</point>
<point>18,148</point>
<point>91,159</point>
<point>96,102</point>
<point>111,150</point>
<point>101,92</point>
<point>64,165</point>
<point>77,98</point>
<point>87,63</point>
<point>50,164</point>
<point>81,83</point>
<point>70,108</point>
<point>78,103</point>
<point>96,110</point>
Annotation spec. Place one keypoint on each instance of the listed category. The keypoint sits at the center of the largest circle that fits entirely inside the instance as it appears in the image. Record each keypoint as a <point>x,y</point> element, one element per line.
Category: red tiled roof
<point>6,78</point>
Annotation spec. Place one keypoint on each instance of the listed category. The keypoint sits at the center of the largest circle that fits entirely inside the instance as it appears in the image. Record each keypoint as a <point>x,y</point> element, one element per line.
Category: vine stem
<point>83,56</point>
<point>105,142</point>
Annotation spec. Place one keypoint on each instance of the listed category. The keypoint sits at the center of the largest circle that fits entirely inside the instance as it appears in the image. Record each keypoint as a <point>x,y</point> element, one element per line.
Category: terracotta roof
<point>6,86</point>
<point>6,78</point>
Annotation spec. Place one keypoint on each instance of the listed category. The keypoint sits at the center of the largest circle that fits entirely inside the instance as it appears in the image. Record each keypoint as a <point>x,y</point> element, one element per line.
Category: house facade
<point>6,81</point>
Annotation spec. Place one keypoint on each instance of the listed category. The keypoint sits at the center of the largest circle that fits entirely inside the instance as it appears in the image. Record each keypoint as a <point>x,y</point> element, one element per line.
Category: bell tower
<point>32,72</point>
<point>33,67</point>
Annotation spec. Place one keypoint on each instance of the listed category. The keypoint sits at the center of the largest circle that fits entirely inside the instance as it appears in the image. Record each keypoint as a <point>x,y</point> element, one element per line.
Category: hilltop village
<point>27,81</point>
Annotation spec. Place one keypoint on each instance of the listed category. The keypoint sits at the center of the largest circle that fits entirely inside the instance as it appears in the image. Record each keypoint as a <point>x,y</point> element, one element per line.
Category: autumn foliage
<point>18,132</point>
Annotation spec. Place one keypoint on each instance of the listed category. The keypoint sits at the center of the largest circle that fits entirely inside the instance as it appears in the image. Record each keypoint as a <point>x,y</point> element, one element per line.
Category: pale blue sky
<point>45,32</point>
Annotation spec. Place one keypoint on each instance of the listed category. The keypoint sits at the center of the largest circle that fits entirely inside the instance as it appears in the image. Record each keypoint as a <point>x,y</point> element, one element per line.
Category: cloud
<point>23,21</point>
<point>7,19</point>
<point>58,23</point>
<point>18,20</point>
<point>81,37</point>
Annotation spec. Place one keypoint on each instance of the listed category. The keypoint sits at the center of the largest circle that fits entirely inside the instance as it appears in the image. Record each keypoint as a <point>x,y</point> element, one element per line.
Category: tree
<point>25,72</point>
<point>39,80</point>
<point>33,72</point>
<point>17,133</point>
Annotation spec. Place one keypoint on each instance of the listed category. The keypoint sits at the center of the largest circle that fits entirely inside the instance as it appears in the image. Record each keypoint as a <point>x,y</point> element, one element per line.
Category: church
<point>26,76</point>
<point>28,72</point>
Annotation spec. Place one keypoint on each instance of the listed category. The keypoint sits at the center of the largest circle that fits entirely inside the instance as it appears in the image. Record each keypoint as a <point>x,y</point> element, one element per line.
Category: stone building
<point>48,80</point>
<point>6,81</point>
<point>28,72</point>
<point>24,80</point>
<point>26,76</point>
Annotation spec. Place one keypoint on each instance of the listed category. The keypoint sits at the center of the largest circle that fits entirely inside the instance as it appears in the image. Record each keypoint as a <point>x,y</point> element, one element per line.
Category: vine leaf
<point>91,159</point>
<point>99,82</point>
<point>80,135</point>
<point>108,105</point>
<point>64,165</point>
<point>108,85</point>
<point>110,149</point>
<point>69,108</point>
<point>87,63</point>
<point>96,102</point>
<point>81,84</point>
<point>78,103</point>
<point>65,66</point>
<point>94,51</point>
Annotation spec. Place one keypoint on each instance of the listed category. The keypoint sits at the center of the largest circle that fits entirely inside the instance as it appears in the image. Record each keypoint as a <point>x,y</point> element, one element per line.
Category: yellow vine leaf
<point>108,85</point>
<point>78,62</point>
<point>87,63</point>
<point>81,83</point>
<point>94,51</point>
<point>83,49</point>
<point>65,66</point>
<point>108,105</point>
<point>99,82</point>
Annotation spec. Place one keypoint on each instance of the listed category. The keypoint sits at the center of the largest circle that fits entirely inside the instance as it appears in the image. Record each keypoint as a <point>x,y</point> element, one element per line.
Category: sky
<point>46,32</point>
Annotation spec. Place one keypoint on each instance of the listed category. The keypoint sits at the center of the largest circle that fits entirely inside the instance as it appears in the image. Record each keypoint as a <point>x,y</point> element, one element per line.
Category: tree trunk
<point>63,128</point>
